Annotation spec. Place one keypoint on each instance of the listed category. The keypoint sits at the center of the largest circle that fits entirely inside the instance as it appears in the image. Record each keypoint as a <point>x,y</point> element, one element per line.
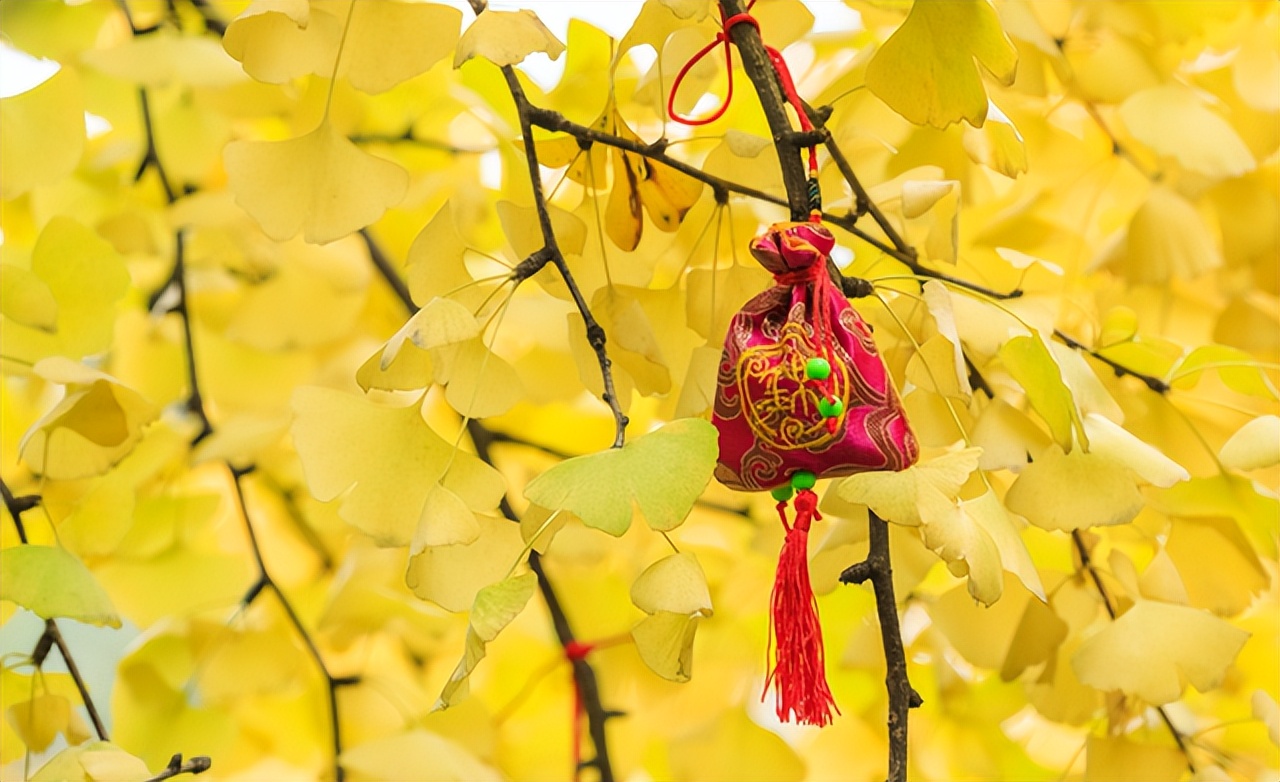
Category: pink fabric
<point>765,409</point>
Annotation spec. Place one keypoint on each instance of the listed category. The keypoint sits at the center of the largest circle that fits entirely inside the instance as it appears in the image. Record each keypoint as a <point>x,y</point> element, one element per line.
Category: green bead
<point>782,493</point>
<point>817,369</point>
<point>830,408</point>
<point>803,479</point>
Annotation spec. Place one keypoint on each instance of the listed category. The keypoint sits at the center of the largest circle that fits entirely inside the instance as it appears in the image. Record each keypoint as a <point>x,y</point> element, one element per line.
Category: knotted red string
<point>779,65</point>
<point>797,670</point>
<point>573,651</point>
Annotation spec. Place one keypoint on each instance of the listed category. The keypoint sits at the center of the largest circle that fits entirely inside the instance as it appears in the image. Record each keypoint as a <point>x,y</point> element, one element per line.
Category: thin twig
<point>595,332</point>
<point>408,137</point>
<point>265,580</point>
<point>1086,563</point>
<point>877,569</point>
<point>52,636</point>
<point>16,507</point>
<point>212,22</point>
<point>482,438</point>
<point>1154,383</point>
<point>583,674</point>
<point>151,157</point>
<point>196,765</point>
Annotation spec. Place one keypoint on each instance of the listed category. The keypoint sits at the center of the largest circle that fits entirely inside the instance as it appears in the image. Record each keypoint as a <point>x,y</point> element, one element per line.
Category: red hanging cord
<point>574,651</point>
<point>779,65</point>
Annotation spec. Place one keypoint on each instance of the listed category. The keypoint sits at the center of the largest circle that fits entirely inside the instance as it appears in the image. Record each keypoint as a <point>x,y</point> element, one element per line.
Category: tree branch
<point>482,438</point>
<point>759,68</point>
<point>1152,382</point>
<point>1086,564</point>
<point>877,569</point>
<point>197,765</point>
<point>595,332</point>
<point>583,674</point>
<point>265,580</point>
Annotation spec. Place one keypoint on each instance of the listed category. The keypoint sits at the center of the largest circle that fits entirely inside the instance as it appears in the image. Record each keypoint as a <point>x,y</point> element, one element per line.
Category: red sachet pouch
<point>802,394</point>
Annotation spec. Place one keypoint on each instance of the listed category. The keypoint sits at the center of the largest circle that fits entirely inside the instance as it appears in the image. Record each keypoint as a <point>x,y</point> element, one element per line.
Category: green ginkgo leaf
<point>927,72</point>
<point>661,473</point>
<point>51,583</point>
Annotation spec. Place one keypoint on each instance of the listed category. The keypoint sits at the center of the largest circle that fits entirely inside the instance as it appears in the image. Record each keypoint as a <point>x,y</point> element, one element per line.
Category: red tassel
<point>798,674</point>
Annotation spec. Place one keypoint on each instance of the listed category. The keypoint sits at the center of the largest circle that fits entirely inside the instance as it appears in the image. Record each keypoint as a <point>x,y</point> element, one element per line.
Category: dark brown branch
<point>151,157</point>
<point>1152,382</point>
<point>1086,564</point>
<point>583,674</point>
<point>482,438</point>
<point>877,569</point>
<point>51,637</point>
<point>388,271</point>
<point>595,332</point>
<point>426,143</point>
<point>212,22</point>
<point>16,507</point>
<point>265,582</point>
<point>196,765</point>
<point>760,69</point>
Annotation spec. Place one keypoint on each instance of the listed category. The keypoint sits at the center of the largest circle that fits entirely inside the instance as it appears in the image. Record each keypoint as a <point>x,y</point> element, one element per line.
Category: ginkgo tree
<point>356,385</point>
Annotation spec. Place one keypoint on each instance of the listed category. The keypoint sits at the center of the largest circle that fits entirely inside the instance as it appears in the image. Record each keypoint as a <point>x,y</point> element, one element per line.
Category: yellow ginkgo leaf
<point>1254,445</point>
<point>909,496</point>
<point>1116,758</point>
<point>386,42</point>
<point>641,185</point>
<point>734,747</point>
<point>997,144</point>
<point>506,38</point>
<point>86,276</point>
<point>1238,370</point>
<point>1172,121</point>
<point>39,721</point>
<point>633,344</point>
<point>43,134</point>
<point>927,72</point>
<point>714,297</point>
<point>1166,238</point>
<point>387,757</point>
<point>523,229</point>
<point>661,473</point>
<point>675,583</point>
<point>94,426</point>
<point>436,264</point>
<point>453,576</point>
<point>26,299</point>
<point>978,538</point>
<point>1113,441</point>
<point>320,184</point>
<point>445,520</point>
<point>1216,564</point>
<point>441,322</point>
<point>333,280</point>
<point>382,461</point>
<point>478,382</point>
<point>664,641</point>
<point>390,41</point>
<point>1266,710</point>
<point>1155,649</point>
<point>94,761</point>
<point>166,57</point>
<point>1048,492</point>
<point>408,370</point>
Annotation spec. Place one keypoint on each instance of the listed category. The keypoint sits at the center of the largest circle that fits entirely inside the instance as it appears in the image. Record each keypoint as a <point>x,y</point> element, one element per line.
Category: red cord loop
<point>578,650</point>
<point>779,65</point>
<point>722,37</point>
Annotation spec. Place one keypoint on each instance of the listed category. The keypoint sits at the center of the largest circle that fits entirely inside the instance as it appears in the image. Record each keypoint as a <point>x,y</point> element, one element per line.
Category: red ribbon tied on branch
<point>779,66</point>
